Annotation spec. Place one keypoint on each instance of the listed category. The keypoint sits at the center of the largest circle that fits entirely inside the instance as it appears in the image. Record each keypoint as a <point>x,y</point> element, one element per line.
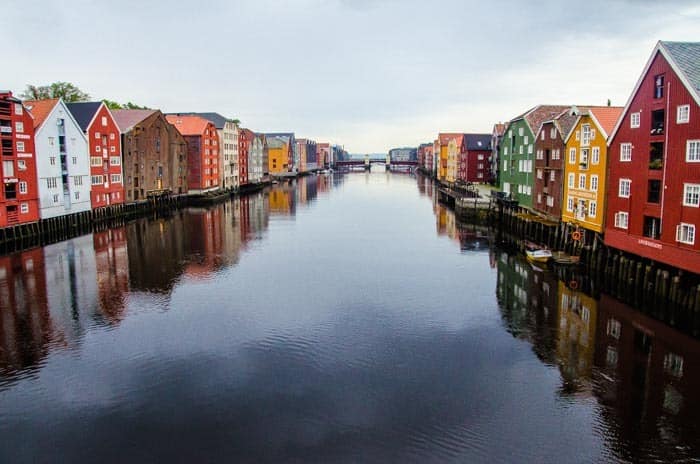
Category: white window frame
<point>683,114</point>
<point>635,120</point>
<point>626,152</point>
<point>115,161</point>
<point>20,146</point>
<point>572,180</point>
<point>585,135</point>
<point>572,156</point>
<point>692,190</point>
<point>595,155</point>
<point>627,190</point>
<point>570,204</point>
<point>582,181</point>
<point>594,183</point>
<point>21,165</point>
<point>95,161</point>
<point>592,208</point>
<point>24,208</point>
<point>23,187</point>
<point>622,220</point>
<point>104,121</point>
<point>692,151</point>
<point>689,237</point>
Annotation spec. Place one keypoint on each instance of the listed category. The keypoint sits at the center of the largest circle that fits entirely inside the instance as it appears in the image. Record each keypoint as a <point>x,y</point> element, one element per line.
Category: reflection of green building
<point>527,299</point>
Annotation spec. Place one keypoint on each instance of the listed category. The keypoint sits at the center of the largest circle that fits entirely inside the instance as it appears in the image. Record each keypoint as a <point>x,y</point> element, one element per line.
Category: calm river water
<point>343,319</point>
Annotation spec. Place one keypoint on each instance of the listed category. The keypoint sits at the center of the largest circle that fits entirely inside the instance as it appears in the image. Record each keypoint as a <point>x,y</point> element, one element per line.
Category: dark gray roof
<point>478,141</point>
<point>83,112</point>
<point>215,118</point>
<point>687,57</point>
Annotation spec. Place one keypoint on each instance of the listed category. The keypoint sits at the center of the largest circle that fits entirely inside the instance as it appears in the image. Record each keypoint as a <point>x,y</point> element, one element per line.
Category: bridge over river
<point>367,163</point>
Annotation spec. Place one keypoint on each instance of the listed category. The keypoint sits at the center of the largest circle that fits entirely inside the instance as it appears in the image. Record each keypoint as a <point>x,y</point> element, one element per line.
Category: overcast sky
<point>367,74</point>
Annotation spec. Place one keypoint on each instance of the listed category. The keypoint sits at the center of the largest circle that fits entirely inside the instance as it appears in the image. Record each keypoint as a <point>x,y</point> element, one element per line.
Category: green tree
<point>112,105</point>
<point>65,90</point>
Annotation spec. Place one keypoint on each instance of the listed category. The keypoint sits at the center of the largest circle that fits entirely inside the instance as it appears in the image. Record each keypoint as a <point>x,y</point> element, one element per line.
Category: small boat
<point>538,255</point>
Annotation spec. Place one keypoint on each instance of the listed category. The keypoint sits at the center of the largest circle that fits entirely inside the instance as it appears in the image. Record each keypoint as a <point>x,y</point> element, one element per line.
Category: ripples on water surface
<point>344,319</point>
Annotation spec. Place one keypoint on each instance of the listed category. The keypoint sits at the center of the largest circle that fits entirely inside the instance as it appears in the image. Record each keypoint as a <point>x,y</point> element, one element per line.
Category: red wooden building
<point>104,145</point>
<point>202,151</point>
<point>19,196</point>
<point>245,138</point>
<point>654,170</point>
<point>474,163</point>
<point>550,149</point>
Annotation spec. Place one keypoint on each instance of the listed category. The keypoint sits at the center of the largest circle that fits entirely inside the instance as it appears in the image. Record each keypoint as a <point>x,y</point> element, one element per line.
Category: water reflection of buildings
<point>282,199</point>
<point>470,237</point>
<point>112,269</point>
<point>643,373</point>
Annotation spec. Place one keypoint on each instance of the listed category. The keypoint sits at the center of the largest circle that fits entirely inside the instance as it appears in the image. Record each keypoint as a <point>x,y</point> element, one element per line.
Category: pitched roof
<point>215,118</point>
<point>478,141</point>
<point>687,57</point>
<point>127,119</point>
<point>445,138</point>
<point>499,128</point>
<point>40,109</point>
<point>188,125</point>
<point>606,116</point>
<point>83,112</point>
<point>541,113</point>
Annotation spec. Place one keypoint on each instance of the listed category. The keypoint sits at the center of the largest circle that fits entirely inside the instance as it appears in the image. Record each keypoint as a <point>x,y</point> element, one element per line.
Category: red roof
<point>40,109</point>
<point>446,137</point>
<point>188,125</point>
<point>607,116</point>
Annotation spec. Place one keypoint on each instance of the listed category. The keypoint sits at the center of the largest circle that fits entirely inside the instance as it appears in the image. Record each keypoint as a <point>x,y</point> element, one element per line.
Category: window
<point>539,196</point>
<point>659,86</point>
<point>584,158</point>
<point>539,173</point>
<point>683,114</point>
<point>8,168</point>
<point>116,178</point>
<point>624,188</point>
<point>97,180</point>
<point>685,233</point>
<point>572,156</point>
<point>55,198</point>
<point>113,149</point>
<point>115,161</point>
<point>621,220</point>
<point>78,180</point>
<point>51,182</point>
<point>691,194</point>
<point>569,204</point>
<point>652,227</point>
<point>19,126</point>
<point>592,209</point>
<point>480,157</point>
<point>550,201</point>
<point>24,208</point>
<point>626,152</point>
<point>595,157</point>
<point>594,183</point>
<point>614,328</point>
<point>552,175</point>
<point>111,136</point>
<point>505,150</point>
<point>582,181</point>
<point>520,131</point>
<point>22,187</point>
<point>52,161</point>
<point>541,138</point>
<point>520,150</point>
<point>20,146</point>
<point>18,109</point>
<point>692,151</point>
<point>553,133</point>
<point>635,120</point>
<point>21,165</point>
<point>104,120</point>
<point>75,160</point>
<point>505,165</point>
<point>95,161</point>
<point>585,135</point>
<point>98,149</point>
<point>76,195</point>
<point>654,191</point>
<point>97,135</point>
<point>529,149</point>
<point>572,180</point>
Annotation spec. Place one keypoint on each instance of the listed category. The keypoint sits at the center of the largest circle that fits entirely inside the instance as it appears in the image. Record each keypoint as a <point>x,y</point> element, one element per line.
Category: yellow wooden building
<point>583,201</point>
<point>277,155</point>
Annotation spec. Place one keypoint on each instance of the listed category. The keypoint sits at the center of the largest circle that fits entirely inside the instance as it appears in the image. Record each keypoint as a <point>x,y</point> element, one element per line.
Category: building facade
<point>255,158</point>
<point>444,159</point>
<point>63,162</point>
<point>154,155</point>
<point>245,138</point>
<point>517,153</point>
<point>19,196</point>
<point>474,161</point>
<point>496,137</point>
<point>105,148</point>
<point>202,152</point>
<point>654,162</point>
<point>585,167</point>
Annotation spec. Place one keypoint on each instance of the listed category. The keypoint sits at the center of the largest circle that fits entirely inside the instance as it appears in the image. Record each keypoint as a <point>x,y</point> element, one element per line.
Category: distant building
<point>245,138</point>
<point>202,152</point>
<point>403,154</point>
<point>450,146</point>
<point>19,197</point>
<point>63,162</point>
<point>289,140</point>
<point>154,154</point>
<point>496,137</point>
<point>105,148</point>
<point>654,162</point>
<point>474,160</point>
<point>255,158</point>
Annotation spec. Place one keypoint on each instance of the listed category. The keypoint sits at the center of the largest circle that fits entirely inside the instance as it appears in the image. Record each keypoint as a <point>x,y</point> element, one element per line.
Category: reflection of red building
<point>205,232</point>
<point>245,138</point>
<point>19,195</point>
<point>25,324</point>
<point>650,374</point>
<point>112,264</point>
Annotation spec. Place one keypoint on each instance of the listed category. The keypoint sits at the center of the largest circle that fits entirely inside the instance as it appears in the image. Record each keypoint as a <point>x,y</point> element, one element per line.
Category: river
<point>345,318</point>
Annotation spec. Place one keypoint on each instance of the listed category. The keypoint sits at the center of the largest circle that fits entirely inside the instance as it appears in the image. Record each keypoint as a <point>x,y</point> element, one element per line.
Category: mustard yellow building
<point>277,155</point>
<point>452,157</point>
<point>450,145</point>
<point>577,326</point>
<point>585,167</point>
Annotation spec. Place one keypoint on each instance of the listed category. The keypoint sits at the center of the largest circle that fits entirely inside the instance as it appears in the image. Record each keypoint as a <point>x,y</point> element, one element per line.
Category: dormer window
<point>659,86</point>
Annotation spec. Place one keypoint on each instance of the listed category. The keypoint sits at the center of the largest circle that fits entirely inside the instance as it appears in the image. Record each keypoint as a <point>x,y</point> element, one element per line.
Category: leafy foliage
<point>65,90</point>
<point>113,105</point>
